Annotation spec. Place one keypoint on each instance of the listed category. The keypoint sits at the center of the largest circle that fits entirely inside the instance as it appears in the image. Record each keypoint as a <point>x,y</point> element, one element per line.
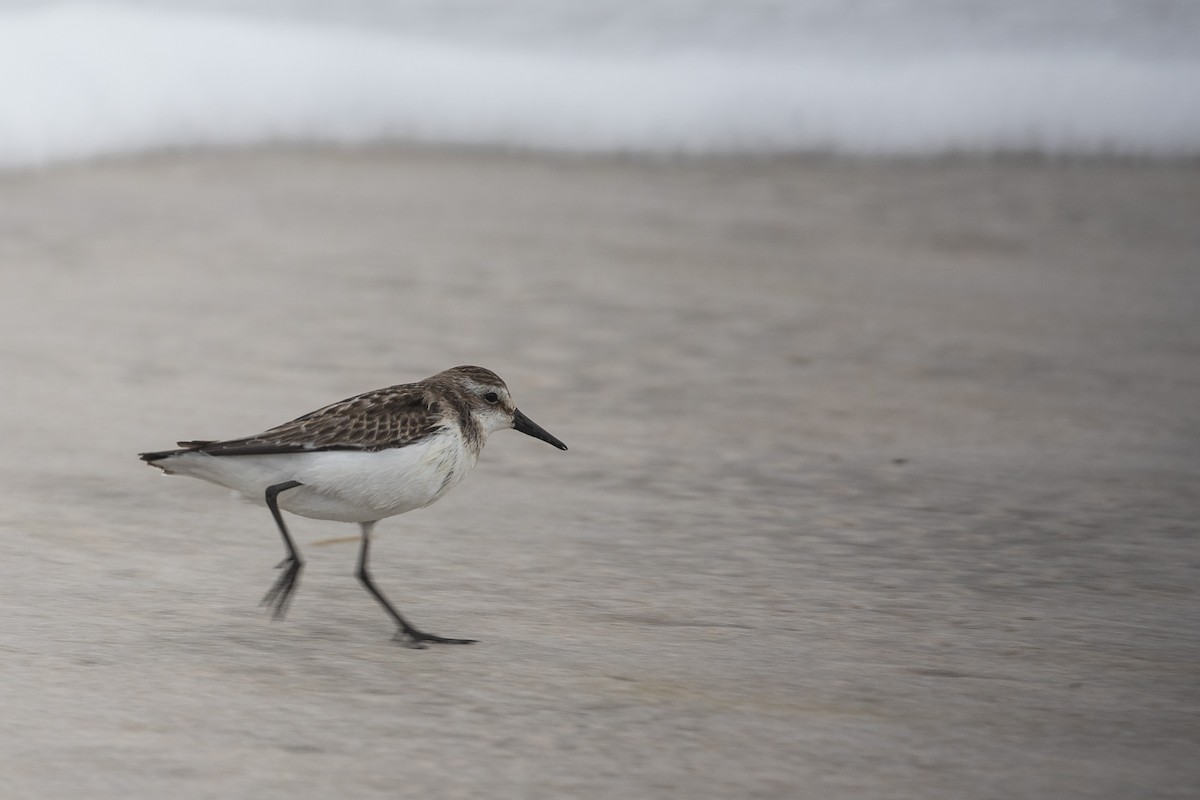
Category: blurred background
<point>882,77</point>
<point>872,328</point>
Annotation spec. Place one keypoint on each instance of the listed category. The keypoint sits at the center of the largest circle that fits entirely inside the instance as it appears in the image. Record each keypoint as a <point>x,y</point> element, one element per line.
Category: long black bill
<point>527,426</point>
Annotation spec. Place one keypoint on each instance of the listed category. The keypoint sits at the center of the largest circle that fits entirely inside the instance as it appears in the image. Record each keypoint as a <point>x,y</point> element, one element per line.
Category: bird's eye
<point>492,397</point>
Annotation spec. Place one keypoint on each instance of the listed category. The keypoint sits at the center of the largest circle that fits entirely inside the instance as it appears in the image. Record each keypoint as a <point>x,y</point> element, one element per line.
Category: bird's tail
<point>159,455</point>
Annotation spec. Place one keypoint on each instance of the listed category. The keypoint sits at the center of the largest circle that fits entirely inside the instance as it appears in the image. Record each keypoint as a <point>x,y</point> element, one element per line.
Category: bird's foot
<point>280,594</point>
<point>411,637</point>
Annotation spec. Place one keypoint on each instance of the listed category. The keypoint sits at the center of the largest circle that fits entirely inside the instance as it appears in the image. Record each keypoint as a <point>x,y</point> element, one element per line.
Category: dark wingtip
<point>159,455</point>
<point>184,447</point>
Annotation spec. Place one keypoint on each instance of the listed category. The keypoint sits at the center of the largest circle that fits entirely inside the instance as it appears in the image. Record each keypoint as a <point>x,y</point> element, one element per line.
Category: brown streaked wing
<point>378,420</point>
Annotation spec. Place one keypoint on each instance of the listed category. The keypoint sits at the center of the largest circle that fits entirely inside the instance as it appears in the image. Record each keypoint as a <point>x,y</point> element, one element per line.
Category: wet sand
<point>882,479</point>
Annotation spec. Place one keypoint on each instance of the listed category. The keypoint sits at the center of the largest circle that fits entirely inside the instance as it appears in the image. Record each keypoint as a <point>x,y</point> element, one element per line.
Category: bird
<point>362,459</point>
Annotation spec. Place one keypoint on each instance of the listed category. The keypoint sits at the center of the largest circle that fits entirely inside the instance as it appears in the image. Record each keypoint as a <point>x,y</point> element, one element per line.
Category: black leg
<point>280,594</point>
<point>416,638</point>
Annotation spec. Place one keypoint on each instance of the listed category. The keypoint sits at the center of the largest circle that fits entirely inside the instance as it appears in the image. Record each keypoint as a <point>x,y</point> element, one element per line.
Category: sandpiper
<point>365,458</point>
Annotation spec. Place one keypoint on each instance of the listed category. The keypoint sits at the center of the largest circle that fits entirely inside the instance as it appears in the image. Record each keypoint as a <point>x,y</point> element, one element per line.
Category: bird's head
<point>492,405</point>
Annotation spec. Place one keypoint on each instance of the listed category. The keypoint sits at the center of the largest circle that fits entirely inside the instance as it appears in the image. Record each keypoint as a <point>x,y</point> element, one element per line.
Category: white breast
<point>343,485</point>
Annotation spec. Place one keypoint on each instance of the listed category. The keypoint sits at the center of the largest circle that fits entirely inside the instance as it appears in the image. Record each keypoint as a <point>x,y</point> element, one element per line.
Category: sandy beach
<point>882,480</point>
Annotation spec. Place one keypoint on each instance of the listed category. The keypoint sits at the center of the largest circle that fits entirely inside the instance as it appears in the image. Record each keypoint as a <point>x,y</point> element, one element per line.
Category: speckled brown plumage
<point>395,416</point>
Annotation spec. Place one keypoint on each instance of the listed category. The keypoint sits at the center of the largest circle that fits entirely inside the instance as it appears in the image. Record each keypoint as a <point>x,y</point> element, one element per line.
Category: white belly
<point>342,485</point>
